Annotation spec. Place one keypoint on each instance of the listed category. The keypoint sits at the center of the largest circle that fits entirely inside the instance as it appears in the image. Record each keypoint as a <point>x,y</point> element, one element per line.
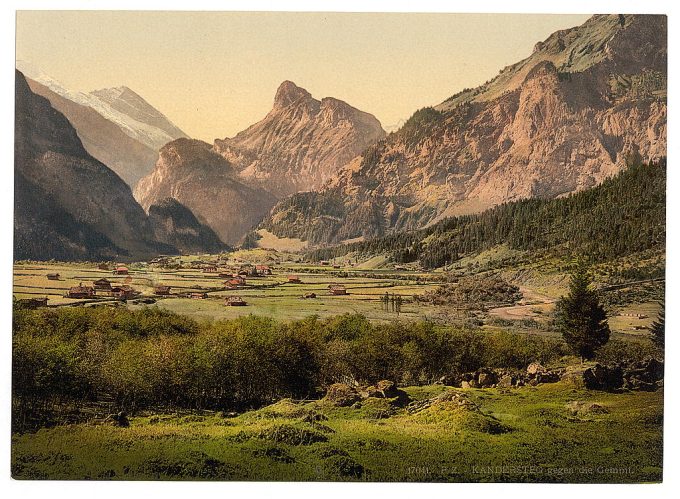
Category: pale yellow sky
<point>215,73</point>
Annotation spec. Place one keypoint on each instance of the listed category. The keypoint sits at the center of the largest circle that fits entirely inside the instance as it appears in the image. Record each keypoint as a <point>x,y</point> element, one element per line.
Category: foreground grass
<point>525,434</point>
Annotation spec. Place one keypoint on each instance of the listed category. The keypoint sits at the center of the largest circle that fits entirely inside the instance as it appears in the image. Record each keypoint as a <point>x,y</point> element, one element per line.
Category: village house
<point>102,285</point>
<point>198,296</point>
<point>121,270</point>
<point>263,269</point>
<point>337,289</point>
<point>325,262</point>
<point>80,291</point>
<point>235,282</point>
<point>235,301</point>
<point>208,269</point>
<point>294,279</point>
<point>123,292</point>
<point>161,290</point>
<point>308,296</point>
<point>53,277</point>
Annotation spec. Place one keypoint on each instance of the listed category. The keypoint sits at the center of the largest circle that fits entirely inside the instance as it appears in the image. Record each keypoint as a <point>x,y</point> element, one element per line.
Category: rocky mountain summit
<point>562,120</point>
<point>301,143</point>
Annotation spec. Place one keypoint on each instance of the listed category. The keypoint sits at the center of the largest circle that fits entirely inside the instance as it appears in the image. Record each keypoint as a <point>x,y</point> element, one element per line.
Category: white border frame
<point>169,490</point>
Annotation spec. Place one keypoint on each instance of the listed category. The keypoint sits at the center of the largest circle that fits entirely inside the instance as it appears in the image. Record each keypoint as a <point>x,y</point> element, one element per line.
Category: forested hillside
<point>623,215</point>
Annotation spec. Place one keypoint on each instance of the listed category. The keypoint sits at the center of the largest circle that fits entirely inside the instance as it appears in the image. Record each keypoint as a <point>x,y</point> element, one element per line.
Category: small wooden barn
<point>235,282</point>
<point>102,285</point>
<point>337,289</point>
<point>53,276</point>
<point>80,291</point>
<point>294,279</point>
<point>198,296</point>
<point>161,290</point>
<point>121,270</point>
<point>123,292</point>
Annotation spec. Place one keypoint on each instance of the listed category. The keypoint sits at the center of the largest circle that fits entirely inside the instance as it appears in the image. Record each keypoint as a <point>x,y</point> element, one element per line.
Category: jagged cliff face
<point>68,205</point>
<point>560,121</point>
<point>191,172</point>
<point>301,143</point>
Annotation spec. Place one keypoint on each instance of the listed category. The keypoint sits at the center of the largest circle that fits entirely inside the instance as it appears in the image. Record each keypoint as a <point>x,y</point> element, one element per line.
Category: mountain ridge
<point>550,131</point>
<point>68,204</point>
<point>232,184</point>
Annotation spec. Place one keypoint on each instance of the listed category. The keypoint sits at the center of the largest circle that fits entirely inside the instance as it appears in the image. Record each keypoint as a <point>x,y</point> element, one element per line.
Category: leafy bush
<point>152,359</point>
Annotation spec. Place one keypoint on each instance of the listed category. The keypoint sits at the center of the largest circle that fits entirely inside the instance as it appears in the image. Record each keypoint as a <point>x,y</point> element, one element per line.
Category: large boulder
<point>507,381</point>
<point>387,390</point>
<point>597,377</point>
<point>486,378</point>
<point>341,395</point>
<point>601,377</point>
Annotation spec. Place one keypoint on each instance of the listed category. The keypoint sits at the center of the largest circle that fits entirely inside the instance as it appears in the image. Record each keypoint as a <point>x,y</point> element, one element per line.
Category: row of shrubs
<point>154,358</point>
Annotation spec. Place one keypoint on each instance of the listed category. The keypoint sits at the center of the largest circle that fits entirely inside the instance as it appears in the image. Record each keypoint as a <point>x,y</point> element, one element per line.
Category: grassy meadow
<point>524,434</point>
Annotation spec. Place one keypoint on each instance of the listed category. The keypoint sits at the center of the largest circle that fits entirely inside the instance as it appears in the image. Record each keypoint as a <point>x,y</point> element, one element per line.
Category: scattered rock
<point>507,381</point>
<point>387,390</point>
<point>646,375</point>
<point>535,368</point>
<point>450,396</point>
